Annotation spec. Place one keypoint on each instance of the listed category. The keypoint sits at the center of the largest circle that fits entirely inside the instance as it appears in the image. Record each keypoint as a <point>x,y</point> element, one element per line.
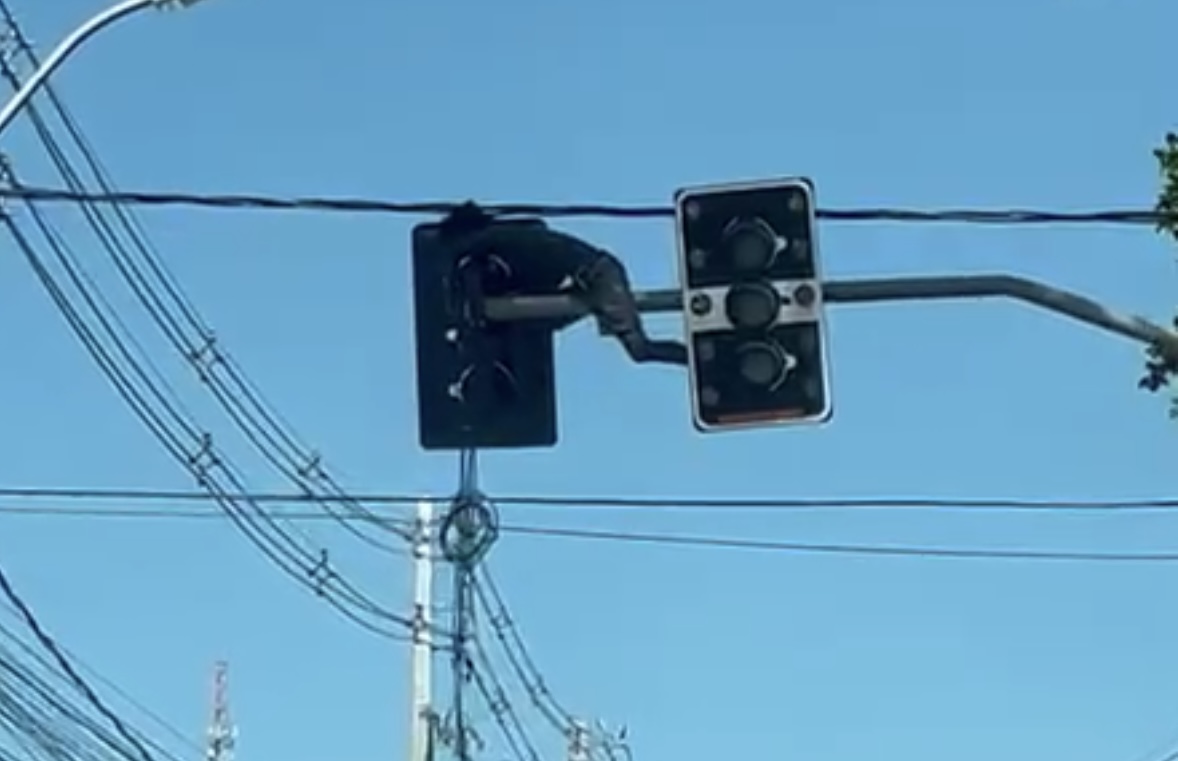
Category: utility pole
<point>421,720</point>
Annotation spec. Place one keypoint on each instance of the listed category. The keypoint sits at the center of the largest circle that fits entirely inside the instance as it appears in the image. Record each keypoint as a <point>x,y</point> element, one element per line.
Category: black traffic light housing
<point>479,384</point>
<point>754,319</point>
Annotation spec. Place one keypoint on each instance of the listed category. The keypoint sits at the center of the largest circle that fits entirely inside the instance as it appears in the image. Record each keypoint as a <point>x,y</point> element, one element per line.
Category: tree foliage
<point>1161,369</point>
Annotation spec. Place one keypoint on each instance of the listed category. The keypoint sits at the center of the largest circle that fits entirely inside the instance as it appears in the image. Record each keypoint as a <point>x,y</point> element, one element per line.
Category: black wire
<point>491,688</point>
<point>108,683</point>
<point>302,570</point>
<point>308,564</point>
<point>841,549</point>
<point>732,543</point>
<point>177,514</point>
<point>17,702</point>
<point>518,656</point>
<point>68,669</point>
<point>669,502</point>
<point>366,205</point>
<point>262,426</point>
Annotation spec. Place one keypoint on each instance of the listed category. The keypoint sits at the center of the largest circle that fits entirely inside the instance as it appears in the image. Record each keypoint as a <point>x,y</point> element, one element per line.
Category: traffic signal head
<point>752,304</point>
<point>479,384</point>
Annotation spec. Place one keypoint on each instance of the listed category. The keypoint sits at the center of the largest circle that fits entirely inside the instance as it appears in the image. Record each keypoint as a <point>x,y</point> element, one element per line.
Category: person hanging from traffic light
<point>542,261</point>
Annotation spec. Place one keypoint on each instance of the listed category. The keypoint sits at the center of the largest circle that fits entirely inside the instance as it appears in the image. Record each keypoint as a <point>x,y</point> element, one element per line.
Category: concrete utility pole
<point>72,42</point>
<point>422,720</point>
<point>1035,293</point>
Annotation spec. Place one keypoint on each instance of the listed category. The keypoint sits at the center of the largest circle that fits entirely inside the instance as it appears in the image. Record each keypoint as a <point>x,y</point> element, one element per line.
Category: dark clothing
<point>605,287</point>
<point>544,261</point>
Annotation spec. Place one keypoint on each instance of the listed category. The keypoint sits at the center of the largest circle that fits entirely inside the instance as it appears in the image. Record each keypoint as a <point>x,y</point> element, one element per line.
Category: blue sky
<point>704,653</point>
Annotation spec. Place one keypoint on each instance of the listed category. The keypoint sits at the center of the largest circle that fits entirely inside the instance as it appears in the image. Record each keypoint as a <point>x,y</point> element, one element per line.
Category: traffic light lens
<point>761,364</point>
<point>751,245</point>
<point>752,306</point>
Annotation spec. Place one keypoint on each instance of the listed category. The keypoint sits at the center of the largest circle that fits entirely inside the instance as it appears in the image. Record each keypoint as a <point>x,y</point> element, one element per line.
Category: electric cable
<point>1133,217</point>
<point>511,641</point>
<point>50,645</point>
<point>503,712</point>
<point>734,543</point>
<point>657,538</point>
<point>112,686</point>
<point>308,564</point>
<point>1000,504</point>
<point>21,675</point>
<point>265,428</point>
<point>309,572</point>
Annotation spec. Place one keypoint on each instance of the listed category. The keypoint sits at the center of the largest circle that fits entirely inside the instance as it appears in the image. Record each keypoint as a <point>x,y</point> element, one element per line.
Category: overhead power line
<point>130,370</point>
<point>34,659</point>
<point>732,543</point>
<point>660,502</point>
<point>1135,217</point>
<point>67,668</point>
<point>493,605</point>
<point>147,276</point>
<point>658,538</point>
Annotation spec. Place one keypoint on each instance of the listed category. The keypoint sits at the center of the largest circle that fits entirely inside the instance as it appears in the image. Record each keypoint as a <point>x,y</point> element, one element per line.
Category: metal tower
<point>222,734</point>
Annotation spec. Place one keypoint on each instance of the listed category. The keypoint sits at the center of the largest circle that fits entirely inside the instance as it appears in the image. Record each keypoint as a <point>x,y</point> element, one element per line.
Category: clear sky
<point>704,653</point>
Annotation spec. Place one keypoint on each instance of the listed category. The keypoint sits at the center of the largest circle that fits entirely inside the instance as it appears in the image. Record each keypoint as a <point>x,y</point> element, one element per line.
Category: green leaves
<point>1160,369</point>
<point>1167,207</point>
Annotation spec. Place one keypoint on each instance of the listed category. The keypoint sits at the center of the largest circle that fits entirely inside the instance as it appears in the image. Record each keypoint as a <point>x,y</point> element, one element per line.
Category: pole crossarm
<point>875,290</point>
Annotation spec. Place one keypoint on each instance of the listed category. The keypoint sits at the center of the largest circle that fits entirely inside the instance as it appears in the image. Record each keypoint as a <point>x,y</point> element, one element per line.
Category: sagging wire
<point>266,430</point>
<point>200,458</point>
<point>494,607</point>
<point>198,455</point>
<point>73,678</point>
<point>503,713</point>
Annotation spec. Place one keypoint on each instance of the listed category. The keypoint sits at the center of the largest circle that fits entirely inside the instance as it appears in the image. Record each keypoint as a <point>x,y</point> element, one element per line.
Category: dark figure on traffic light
<point>538,260</point>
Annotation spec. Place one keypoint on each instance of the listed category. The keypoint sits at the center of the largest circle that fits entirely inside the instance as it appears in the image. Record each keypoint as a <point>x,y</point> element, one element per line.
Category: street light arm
<point>873,290</point>
<point>72,42</point>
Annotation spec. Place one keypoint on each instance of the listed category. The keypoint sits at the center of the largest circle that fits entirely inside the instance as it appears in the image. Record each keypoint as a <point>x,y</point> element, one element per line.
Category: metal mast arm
<point>874,290</point>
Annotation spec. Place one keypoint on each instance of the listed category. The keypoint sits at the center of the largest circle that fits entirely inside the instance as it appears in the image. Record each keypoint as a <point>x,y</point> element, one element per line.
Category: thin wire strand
<point>503,712</point>
<point>680,540</point>
<point>667,502</point>
<point>731,543</point>
<point>276,544</point>
<point>63,662</point>
<point>171,310</point>
<point>519,657</point>
<point>309,568</point>
<point>106,682</point>
<point>1134,217</point>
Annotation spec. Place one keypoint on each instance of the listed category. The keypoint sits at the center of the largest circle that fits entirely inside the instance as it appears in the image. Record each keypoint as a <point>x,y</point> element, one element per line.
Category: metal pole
<point>421,721</point>
<point>874,290</point>
<point>72,42</point>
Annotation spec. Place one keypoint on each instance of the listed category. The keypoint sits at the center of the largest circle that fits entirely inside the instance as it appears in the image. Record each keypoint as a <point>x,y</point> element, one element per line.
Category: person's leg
<point>607,291</point>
